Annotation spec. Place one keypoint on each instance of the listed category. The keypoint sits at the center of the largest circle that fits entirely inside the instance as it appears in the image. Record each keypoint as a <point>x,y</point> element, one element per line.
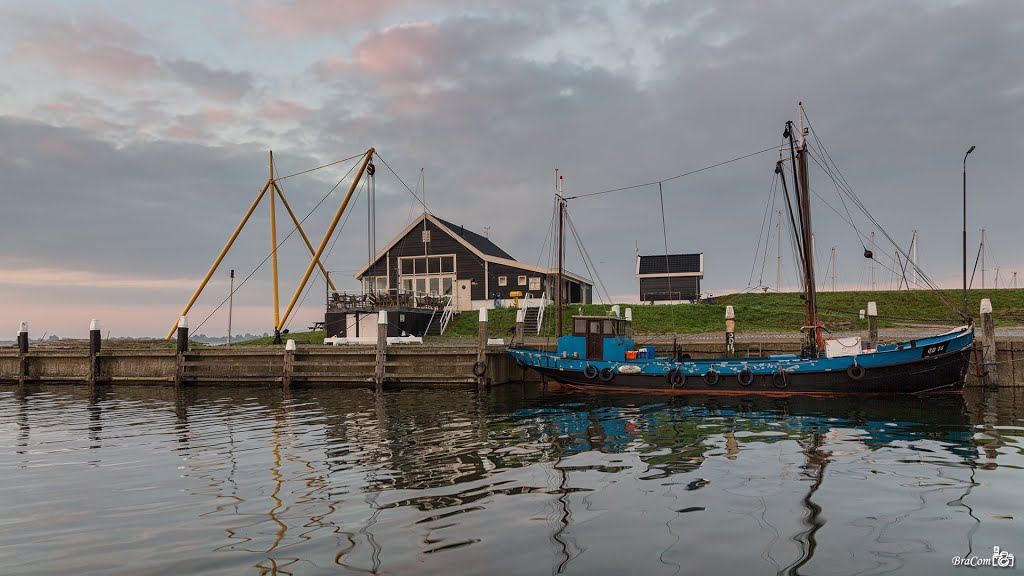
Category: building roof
<point>483,248</point>
<point>481,243</point>
<point>670,264</point>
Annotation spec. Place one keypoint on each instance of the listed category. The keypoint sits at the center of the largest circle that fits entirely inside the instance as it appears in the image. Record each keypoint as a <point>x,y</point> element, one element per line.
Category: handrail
<point>449,311</point>
<point>540,313</point>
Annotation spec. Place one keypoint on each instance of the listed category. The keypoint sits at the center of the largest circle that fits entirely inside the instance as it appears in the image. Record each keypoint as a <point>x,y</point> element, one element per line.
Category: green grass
<point>754,313</point>
<point>316,337</point>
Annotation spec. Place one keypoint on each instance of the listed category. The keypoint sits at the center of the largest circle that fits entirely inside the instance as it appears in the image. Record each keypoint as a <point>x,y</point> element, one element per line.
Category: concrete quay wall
<point>318,365</point>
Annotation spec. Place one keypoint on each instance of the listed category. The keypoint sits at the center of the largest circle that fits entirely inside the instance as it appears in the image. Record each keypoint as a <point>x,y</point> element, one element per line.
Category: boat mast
<point>804,203</point>
<point>561,252</point>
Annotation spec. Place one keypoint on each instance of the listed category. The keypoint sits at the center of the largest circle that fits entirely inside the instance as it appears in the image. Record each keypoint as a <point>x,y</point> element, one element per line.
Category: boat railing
<point>540,312</point>
<point>371,300</point>
<point>449,311</point>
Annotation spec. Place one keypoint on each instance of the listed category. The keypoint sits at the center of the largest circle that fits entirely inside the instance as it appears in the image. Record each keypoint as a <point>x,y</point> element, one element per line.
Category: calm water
<point>322,481</point>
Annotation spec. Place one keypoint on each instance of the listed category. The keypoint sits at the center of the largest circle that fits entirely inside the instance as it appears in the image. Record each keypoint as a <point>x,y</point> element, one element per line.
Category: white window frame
<point>502,280</point>
<point>535,283</point>
<point>522,280</point>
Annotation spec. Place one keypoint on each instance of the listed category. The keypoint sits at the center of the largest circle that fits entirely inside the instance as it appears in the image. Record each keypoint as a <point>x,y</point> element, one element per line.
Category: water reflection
<point>519,481</point>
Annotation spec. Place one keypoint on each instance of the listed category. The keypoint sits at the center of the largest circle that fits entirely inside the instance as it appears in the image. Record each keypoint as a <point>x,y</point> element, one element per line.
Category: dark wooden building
<point>437,257</point>
<point>671,278</point>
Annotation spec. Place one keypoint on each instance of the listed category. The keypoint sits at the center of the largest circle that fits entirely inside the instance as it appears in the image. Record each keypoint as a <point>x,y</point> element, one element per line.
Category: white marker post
<point>730,332</point>
<point>873,324</point>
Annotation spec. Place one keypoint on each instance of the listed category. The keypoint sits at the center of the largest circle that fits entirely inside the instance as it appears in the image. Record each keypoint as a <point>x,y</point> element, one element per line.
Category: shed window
<point>522,280</point>
<point>535,283</point>
<point>502,280</point>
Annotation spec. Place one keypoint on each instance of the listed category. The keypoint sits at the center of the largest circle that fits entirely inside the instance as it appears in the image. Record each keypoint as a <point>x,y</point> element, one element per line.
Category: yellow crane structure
<point>315,262</point>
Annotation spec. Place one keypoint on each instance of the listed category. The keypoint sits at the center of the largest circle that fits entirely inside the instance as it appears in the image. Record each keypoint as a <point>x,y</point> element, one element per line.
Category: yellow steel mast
<point>273,243</point>
<point>274,188</point>
<point>327,236</point>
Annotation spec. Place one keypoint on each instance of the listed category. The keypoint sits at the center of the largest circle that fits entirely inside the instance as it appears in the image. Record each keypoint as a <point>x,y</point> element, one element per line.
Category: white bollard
<point>730,332</point>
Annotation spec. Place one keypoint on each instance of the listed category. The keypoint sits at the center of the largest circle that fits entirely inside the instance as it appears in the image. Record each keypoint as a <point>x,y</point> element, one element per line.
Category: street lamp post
<point>964,297</point>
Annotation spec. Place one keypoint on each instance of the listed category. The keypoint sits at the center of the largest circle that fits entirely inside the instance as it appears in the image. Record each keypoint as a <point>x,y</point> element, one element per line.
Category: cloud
<point>112,51</point>
<point>283,110</point>
<point>70,278</point>
<point>298,17</point>
<point>214,83</point>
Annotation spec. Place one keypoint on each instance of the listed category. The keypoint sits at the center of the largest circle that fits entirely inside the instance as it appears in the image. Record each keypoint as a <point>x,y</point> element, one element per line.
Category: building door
<point>464,297</point>
<point>595,341</point>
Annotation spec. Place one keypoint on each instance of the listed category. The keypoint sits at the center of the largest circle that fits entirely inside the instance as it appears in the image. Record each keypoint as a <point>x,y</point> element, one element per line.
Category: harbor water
<point>518,480</point>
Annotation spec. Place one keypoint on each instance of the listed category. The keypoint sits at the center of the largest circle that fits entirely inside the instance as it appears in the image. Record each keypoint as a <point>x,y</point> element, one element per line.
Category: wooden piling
<point>730,332</point>
<point>872,324</point>
<point>94,350</point>
<point>289,364</point>
<point>520,327</point>
<point>182,349</point>
<point>481,353</point>
<point>22,353</point>
<point>988,344</point>
<point>382,346</point>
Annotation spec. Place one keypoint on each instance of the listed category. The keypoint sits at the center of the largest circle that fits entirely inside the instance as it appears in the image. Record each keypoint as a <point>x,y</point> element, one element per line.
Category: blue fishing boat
<point>602,353</point>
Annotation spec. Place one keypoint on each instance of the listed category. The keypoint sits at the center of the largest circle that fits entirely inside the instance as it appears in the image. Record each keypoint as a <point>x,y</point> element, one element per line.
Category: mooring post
<point>182,348</point>
<point>481,353</point>
<point>520,326</point>
<point>873,324</point>
<point>730,332</point>
<point>289,363</point>
<point>988,344</point>
<point>94,350</point>
<point>382,346</point>
<point>22,352</point>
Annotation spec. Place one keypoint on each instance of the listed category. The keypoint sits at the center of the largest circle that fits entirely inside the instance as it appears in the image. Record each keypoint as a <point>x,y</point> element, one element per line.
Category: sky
<point>134,135</point>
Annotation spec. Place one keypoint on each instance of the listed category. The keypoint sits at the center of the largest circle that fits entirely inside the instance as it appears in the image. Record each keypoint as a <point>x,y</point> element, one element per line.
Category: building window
<point>427,264</point>
<point>522,280</point>
<point>502,280</point>
<point>375,283</point>
<point>535,283</point>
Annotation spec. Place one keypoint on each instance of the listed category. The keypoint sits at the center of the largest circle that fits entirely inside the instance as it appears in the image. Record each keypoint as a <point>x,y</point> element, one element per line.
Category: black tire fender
<point>676,378</point>
<point>479,369</point>
<point>779,380</point>
<point>855,372</point>
<point>711,377</point>
<point>745,377</point>
<point>590,371</point>
<point>607,374</point>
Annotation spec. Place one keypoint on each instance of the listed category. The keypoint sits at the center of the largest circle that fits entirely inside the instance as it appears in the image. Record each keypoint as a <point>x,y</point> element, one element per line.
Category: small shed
<point>670,277</point>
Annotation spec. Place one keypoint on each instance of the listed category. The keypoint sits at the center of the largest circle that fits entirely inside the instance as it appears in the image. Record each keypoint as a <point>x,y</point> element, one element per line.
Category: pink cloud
<point>101,61</point>
<point>296,17</point>
<point>282,110</point>
<point>114,52</point>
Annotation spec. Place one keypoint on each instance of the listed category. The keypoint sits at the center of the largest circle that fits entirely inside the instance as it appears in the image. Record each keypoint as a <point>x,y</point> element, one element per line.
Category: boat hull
<point>944,374</point>
<point>930,366</point>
